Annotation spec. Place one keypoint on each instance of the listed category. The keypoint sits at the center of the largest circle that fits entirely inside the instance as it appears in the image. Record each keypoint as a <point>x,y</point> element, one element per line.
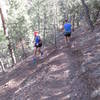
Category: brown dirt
<point>70,72</point>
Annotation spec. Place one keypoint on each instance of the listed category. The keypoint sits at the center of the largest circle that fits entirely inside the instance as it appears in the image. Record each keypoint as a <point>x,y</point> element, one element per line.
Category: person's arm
<point>71,27</point>
<point>61,28</point>
<point>33,41</point>
<point>40,40</point>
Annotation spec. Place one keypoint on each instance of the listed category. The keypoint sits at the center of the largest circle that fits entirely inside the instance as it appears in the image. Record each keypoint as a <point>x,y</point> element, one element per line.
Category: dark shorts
<point>39,45</point>
<point>67,34</point>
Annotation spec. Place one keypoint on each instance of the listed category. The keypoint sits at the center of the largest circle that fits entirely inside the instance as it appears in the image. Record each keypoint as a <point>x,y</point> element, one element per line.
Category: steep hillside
<point>70,72</point>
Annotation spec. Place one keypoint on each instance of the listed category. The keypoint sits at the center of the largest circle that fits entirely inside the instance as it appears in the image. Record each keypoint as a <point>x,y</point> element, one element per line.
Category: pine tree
<point>87,16</point>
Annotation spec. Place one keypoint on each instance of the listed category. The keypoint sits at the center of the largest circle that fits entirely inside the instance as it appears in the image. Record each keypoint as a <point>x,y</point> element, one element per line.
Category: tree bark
<point>7,37</point>
<point>55,34</point>
<point>87,16</point>
<point>78,24</point>
<point>44,28</point>
<point>96,16</point>
<point>12,54</point>
<point>73,22</point>
<point>38,18</point>
<point>24,54</point>
<point>2,66</point>
<point>77,20</point>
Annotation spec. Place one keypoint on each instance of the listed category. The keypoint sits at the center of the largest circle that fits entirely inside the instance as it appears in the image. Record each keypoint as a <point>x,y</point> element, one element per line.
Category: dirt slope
<point>72,72</point>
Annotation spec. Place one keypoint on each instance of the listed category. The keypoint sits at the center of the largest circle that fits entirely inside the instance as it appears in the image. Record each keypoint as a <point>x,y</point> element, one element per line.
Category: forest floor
<point>70,72</point>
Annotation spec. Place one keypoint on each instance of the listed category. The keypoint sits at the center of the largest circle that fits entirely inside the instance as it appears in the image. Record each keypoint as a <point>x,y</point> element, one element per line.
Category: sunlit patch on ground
<point>54,68</point>
<point>13,83</point>
<point>98,34</point>
<point>55,57</point>
<point>66,97</point>
<point>66,73</point>
<point>59,93</point>
<point>96,93</point>
<point>62,75</point>
<point>44,97</point>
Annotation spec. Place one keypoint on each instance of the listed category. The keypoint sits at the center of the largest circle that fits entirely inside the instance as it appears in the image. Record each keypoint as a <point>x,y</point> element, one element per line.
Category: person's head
<point>36,33</point>
<point>66,20</point>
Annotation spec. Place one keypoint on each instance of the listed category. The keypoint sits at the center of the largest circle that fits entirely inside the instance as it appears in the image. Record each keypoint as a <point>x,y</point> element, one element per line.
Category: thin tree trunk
<point>44,36</point>
<point>3,22</point>
<point>2,65</point>
<point>7,37</point>
<point>38,19</point>
<point>44,27</point>
<point>55,37</point>
<point>78,23</point>
<point>55,21</point>
<point>87,16</point>
<point>73,23</point>
<point>77,20</point>
<point>12,54</point>
<point>96,16</point>
<point>24,54</point>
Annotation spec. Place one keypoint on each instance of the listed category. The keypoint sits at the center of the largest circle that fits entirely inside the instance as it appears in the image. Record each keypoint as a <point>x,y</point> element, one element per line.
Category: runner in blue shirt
<point>67,31</point>
<point>37,45</point>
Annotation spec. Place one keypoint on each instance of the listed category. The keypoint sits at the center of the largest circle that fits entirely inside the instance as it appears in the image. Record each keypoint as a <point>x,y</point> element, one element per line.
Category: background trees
<point>23,17</point>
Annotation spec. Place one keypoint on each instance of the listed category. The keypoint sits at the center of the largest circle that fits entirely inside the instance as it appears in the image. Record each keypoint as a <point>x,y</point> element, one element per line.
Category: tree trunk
<point>73,22</point>
<point>3,22</point>
<point>77,20</point>
<point>96,16</point>
<point>78,24</point>
<point>55,34</point>
<point>44,36</point>
<point>7,37</point>
<point>2,66</point>
<point>12,54</point>
<point>38,18</point>
<point>87,16</point>
<point>24,54</point>
<point>44,28</point>
<point>55,37</point>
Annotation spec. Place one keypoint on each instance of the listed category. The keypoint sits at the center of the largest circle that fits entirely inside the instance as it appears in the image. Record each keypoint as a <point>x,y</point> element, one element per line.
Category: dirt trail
<point>64,75</point>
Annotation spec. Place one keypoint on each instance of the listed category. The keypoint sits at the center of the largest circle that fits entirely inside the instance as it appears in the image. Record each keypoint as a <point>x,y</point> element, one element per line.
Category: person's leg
<point>40,52</point>
<point>34,57</point>
<point>65,37</point>
<point>68,37</point>
<point>35,51</point>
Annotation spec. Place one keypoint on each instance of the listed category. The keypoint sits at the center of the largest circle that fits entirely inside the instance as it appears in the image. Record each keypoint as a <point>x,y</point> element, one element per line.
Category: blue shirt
<point>67,27</point>
<point>37,39</point>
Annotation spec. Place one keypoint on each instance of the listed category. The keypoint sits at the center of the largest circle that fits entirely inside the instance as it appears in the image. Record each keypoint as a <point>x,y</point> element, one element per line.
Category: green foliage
<point>2,37</point>
<point>26,16</point>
